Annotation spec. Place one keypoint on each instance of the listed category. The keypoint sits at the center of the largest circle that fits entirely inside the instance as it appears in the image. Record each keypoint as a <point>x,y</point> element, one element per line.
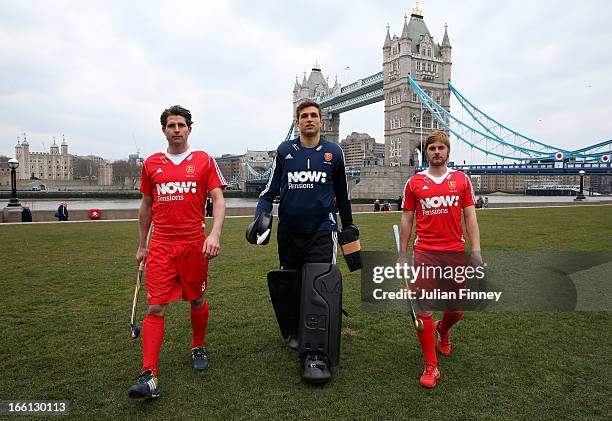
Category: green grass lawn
<point>66,295</point>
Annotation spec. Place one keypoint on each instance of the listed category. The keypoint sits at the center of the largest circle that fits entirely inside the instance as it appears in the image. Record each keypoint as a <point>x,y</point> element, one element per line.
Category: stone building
<point>523,183</point>
<point>5,173</point>
<point>52,165</point>
<point>229,165</point>
<point>105,173</point>
<point>414,52</point>
<point>380,182</point>
<point>361,150</point>
<point>317,86</point>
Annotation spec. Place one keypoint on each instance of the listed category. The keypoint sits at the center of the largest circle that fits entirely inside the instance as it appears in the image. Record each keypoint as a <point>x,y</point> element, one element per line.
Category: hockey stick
<point>134,329</point>
<point>416,322</point>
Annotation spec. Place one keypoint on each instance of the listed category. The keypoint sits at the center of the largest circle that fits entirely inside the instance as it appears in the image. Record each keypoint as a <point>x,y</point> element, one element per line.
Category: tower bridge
<point>415,84</point>
<point>358,94</point>
<point>413,52</point>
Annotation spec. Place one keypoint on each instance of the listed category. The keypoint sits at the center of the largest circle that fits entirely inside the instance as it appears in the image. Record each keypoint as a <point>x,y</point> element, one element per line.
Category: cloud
<point>102,72</point>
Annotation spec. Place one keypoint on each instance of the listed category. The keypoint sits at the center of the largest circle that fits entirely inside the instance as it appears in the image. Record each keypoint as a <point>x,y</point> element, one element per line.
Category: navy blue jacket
<point>308,180</point>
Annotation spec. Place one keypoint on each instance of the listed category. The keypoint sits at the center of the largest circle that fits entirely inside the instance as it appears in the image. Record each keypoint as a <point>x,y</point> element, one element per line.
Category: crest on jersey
<point>452,185</point>
<point>328,156</point>
<point>190,169</point>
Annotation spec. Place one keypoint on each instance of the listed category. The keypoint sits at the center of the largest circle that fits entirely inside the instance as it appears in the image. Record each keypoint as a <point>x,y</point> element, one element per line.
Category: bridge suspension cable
<point>265,173</point>
<point>494,127</point>
<point>491,137</point>
<point>289,133</point>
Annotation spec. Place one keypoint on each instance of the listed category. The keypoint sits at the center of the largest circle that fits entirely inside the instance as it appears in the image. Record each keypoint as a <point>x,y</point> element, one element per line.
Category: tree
<point>83,168</point>
<point>122,169</point>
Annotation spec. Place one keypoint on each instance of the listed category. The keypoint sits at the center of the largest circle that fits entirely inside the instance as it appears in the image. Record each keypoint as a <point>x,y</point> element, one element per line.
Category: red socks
<point>152,338</point>
<point>448,320</point>
<point>153,335</point>
<point>199,319</point>
<point>427,340</point>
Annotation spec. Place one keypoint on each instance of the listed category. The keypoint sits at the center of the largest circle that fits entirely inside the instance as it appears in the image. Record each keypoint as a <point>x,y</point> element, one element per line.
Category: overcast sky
<point>101,72</point>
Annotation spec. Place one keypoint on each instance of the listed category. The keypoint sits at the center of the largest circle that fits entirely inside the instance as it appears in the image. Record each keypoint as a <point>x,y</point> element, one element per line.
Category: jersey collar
<point>177,159</point>
<point>437,180</point>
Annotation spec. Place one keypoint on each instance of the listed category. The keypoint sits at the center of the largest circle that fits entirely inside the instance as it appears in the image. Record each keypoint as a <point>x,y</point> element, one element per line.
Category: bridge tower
<point>317,86</point>
<point>406,121</point>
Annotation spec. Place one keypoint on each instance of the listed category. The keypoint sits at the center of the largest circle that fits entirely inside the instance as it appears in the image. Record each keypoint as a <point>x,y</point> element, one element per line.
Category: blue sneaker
<point>199,357</point>
<point>147,386</point>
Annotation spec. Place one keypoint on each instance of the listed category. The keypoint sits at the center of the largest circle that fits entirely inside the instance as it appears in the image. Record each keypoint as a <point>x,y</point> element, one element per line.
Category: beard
<point>438,162</point>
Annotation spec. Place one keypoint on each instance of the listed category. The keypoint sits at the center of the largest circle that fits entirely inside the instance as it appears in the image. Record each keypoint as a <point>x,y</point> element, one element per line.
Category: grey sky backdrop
<point>101,72</point>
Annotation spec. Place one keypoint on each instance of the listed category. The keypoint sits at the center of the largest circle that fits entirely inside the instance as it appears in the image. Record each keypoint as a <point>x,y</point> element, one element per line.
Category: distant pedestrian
<point>26,214</point>
<point>486,202</point>
<point>377,205</point>
<point>479,203</point>
<point>62,212</point>
<point>209,208</point>
<point>386,206</point>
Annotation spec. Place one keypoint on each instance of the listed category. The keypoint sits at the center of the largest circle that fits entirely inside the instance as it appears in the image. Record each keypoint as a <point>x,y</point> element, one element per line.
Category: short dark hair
<point>176,110</point>
<point>306,104</point>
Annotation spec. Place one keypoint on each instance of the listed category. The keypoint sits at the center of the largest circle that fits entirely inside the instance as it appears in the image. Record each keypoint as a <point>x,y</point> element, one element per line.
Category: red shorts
<point>175,271</point>
<point>442,274</point>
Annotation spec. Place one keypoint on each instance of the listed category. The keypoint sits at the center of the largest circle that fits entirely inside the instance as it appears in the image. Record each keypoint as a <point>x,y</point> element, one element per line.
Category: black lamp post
<point>580,195</point>
<point>13,165</point>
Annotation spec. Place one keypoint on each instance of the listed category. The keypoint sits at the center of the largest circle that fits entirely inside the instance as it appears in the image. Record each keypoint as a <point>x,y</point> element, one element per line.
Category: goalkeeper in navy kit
<point>309,175</point>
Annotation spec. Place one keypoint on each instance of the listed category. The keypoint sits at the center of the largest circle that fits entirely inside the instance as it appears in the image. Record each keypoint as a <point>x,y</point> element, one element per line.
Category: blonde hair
<point>437,136</point>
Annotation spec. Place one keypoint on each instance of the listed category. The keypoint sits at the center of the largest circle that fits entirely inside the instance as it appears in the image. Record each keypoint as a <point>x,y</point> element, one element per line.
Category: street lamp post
<point>580,195</point>
<point>13,165</point>
<point>422,153</point>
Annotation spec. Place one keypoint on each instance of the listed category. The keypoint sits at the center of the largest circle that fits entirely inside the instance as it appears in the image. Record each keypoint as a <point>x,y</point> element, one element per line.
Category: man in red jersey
<point>174,187</point>
<point>438,196</point>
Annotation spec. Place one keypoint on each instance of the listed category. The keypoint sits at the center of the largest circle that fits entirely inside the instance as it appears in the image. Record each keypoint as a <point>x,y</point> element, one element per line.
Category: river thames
<point>76,204</point>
